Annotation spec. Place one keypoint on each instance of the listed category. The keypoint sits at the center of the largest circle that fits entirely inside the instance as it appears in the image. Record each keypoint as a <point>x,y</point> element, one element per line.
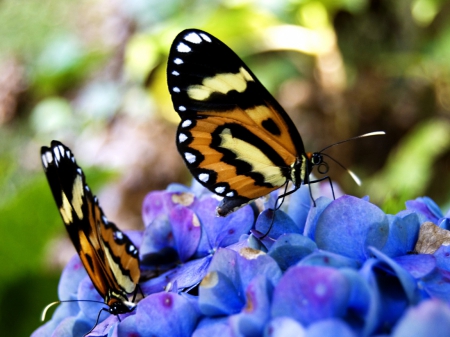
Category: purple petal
<point>330,328</point>
<point>213,327</point>
<point>159,203</point>
<point>349,225</point>
<point>418,265</point>
<point>429,318</point>
<point>313,216</point>
<point>71,277</point>
<point>186,231</point>
<point>403,234</point>
<point>426,209</point>
<point>284,327</point>
<point>309,294</point>
<point>291,248</point>
<point>127,327</point>
<point>165,314</point>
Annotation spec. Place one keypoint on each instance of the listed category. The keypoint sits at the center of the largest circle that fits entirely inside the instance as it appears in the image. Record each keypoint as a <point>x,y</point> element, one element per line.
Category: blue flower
<point>342,268</point>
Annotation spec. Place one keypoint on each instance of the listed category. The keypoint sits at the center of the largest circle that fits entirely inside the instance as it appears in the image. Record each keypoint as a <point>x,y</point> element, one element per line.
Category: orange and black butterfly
<point>234,137</point>
<point>110,258</point>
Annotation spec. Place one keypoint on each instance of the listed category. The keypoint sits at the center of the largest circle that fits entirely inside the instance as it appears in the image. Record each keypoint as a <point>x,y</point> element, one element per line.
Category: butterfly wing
<point>109,256</point>
<point>234,137</point>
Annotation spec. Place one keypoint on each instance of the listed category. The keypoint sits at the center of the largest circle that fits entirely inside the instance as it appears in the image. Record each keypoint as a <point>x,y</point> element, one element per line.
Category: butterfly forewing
<point>109,256</point>
<point>234,137</point>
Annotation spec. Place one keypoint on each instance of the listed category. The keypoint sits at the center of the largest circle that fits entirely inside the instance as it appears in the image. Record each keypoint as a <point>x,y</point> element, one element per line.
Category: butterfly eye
<point>317,159</point>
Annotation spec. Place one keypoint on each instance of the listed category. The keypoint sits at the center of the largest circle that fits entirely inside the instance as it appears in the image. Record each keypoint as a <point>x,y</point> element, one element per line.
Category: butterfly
<point>234,137</point>
<point>108,255</point>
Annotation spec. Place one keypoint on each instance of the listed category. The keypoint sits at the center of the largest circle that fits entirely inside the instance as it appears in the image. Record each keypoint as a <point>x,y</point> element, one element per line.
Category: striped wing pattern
<point>108,255</point>
<point>234,137</point>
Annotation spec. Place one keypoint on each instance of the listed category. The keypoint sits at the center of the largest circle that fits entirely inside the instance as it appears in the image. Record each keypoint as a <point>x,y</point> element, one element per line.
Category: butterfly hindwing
<point>233,136</point>
<point>108,255</point>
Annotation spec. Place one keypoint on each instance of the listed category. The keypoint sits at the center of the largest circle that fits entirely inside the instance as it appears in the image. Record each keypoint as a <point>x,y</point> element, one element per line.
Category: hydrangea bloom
<point>342,268</point>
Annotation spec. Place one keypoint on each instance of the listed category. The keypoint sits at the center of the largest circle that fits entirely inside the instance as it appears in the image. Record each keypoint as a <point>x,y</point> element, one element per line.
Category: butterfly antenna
<point>369,134</point>
<point>44,312</point>
<point>353,175</point>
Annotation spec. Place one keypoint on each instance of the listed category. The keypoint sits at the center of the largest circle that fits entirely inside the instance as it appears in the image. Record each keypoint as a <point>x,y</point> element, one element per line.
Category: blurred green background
<point>91,73</point>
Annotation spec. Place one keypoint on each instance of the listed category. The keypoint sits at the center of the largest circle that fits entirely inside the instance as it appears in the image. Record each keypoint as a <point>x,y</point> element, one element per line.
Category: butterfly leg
<point>317,181</point>
<point>96,322</point>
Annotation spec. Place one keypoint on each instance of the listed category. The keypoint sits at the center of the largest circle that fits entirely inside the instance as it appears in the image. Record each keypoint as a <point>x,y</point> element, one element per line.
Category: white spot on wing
<point>57,156</point>
<point>183,48</point>
<point>205,37</point>
<point>182,137</point>
<point>175,73</point>
<point>186,123</point>
<point>230,194</point>
<point>203,177</point>
<point>193,37</point>
<point>178,61</point>
<point>61,149</point>
<point>44,160</point>
<point>182,108</point>
<point>219,189</point>
<point>119,235</point>
<point>49,156</point>
<point>190,157</point>
<point>79,171</point>
<point>176,89</point>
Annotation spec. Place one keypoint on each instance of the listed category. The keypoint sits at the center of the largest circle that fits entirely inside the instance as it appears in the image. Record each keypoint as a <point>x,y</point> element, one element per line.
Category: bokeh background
<point>91,73</point>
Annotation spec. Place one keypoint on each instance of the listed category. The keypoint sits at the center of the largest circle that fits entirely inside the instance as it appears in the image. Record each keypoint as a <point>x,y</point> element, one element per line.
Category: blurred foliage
<point>91,73</point>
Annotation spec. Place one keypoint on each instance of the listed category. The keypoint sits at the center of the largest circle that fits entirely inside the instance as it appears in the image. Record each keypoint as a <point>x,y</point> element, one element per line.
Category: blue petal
<point>403,234</point>
<point>72,326</point>
<point>299,205</point>
<point>221,231</point>
<point>282,223</point>
<point>349,225</point>
<point>328,259</point>
<point>330,328</point>
<point>284,327</point>
<point>128,327</point>
<point>186,276</point>
<point>429,318</point>
<point>313,216</point>
<point>254,316</point>
<point>165,314</point>
<point>291,248</point>
<point>309,294</point>
<point>406,280</point>
<point>87,292</point>
<point>186,231</point>
<point>219,296</point>
<point>157,237</point>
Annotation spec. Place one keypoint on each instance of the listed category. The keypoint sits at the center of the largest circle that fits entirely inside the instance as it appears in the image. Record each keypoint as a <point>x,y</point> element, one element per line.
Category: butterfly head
<point>120,306</point>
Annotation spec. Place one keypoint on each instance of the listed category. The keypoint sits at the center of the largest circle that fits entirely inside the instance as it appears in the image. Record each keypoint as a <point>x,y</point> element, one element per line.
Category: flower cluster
<point>342,268</point>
